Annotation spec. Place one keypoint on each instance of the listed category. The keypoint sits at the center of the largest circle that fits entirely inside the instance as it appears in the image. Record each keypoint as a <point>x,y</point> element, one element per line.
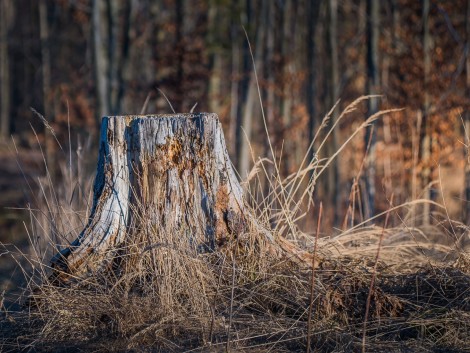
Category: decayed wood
<point>177,166</point>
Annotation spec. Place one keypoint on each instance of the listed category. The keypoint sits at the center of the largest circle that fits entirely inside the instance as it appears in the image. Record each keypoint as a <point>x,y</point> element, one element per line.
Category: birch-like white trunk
<point>175,165</point>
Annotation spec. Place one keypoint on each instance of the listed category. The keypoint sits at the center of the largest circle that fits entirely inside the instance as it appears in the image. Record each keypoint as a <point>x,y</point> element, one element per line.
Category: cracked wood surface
<point>176,166</point>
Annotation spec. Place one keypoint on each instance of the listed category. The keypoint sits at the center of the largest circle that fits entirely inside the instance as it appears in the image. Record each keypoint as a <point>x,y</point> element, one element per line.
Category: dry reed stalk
<point>146,102</point>
<point>312,287</point>
<point>394,208</point>
<point>415,134</point>
<point>355,187</point>
<point>214,303</point>
<point>47,125</point>
<point>232,293</point>
<point>374,273</point>
<point>387,160</point>
<point>365,124</point>
<point>166,98</point>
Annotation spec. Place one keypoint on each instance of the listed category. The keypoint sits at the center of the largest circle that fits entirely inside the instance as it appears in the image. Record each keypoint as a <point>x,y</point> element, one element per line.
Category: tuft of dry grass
<point>189,307</point>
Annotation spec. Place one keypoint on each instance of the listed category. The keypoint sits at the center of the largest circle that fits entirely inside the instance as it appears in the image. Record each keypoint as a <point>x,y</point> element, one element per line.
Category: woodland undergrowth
<point>369,287</point>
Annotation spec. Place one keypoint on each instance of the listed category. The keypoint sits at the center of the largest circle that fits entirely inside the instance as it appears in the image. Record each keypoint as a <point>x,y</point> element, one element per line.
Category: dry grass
<point>168,300</point>
<point>159,295</point>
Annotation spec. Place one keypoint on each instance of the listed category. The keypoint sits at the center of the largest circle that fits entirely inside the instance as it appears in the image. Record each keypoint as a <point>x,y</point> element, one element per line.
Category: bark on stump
<point>178,166</point>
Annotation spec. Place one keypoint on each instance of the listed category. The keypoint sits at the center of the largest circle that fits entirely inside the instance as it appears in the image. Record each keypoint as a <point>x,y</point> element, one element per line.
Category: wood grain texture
<point>174,169</point>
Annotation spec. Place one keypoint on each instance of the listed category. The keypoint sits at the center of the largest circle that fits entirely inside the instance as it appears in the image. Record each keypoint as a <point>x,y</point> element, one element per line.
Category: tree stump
<point>175,165</point>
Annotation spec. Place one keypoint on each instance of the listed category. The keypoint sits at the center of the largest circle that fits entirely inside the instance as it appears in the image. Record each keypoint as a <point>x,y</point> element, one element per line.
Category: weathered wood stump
<point>176,165</point>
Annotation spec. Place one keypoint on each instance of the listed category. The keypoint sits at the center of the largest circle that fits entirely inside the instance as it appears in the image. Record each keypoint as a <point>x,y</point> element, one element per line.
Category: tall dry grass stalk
<point>312,286</point>
<point>372,281</point>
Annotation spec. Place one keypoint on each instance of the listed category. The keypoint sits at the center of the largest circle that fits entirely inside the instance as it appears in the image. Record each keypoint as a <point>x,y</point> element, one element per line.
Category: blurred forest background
<point>74,61</point>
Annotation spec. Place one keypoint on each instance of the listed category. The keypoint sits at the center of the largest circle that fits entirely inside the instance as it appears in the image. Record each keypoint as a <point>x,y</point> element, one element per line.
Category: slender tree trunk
<point>179,45</point>
<point>287,50</point>
<point>111,25</point>
<point>270,81</point>
<point>112,13</point>
<point>467,121</point>
<point>251,98</point>
<point>313,13</point>
<point>4,70</point>
<point>234,85</point>
<point>299,64</point>
<point>334,193</point>
<point>45,58</point>
<point>373,20</point>
<point>46,85</point>
<point>215,57</point>
<point>288,28</point>
<point>395,24</point>
<point>119,54</point>
<point>155,29</point>
<point>244,68</point>
<point>101,60</point>
<point>426,123</point>
<point>384,83</point>
<point>270,104</point>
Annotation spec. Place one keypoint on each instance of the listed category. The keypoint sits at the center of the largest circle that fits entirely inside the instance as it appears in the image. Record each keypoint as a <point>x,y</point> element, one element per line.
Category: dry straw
<point>158,294</point>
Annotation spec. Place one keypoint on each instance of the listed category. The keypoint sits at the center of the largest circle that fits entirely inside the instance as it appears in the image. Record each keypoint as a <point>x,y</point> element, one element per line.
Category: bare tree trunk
<point>180,49</point>
<point>384,83</point>
<point>287,47</point>
<point>140,51</point>
<point>119,51</point>
<point>251,98</point>
<point>467,121</point>
<point>395,24</point>
<point>46,86</point>
<point>269,22</point>
<point>234,85</point>
<point>373,20</point>
<point>313,12</point>
<point>45,58</point>
<point>333,190</point>
<point>4,69</point>
<point>292,40</point>
<point>101,61</point>
<point>300,46</point>
<point>215,58</point>
<point>172,170</point>
<point>269,144</point>
<point>240,66</point>
<point>426,124</point>
<point>111,24</point>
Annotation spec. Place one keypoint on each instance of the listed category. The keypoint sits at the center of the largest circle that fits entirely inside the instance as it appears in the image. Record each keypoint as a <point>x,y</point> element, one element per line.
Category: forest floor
<point>242,298</point>
<point>419,302</point>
